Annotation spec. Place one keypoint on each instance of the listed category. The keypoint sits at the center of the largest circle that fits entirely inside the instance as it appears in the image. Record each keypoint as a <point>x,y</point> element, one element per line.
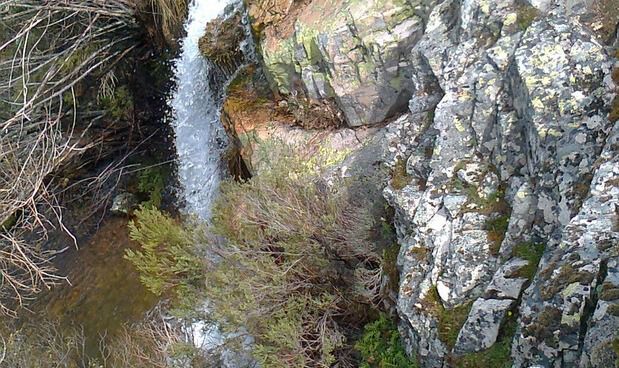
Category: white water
<point>200,140</point>
<point>199,134</point>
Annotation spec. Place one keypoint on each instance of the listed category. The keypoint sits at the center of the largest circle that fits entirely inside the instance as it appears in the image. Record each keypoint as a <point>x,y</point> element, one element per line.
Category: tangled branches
<point>52,55</point>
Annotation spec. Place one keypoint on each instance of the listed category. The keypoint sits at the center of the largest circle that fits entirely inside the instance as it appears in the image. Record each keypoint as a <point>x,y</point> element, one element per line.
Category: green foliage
<point>167,259</point>
<point>531,252</point>
<point>119,104</point>
<point>298,270</point>
<point>380,346</point>
<point>151,182</point>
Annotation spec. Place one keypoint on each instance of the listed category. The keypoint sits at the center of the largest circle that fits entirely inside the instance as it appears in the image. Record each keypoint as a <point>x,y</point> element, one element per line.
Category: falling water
<point>200,138</point>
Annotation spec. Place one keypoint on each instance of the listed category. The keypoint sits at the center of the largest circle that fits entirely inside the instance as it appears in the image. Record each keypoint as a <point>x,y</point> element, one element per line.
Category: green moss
<point>496,227</point>
<point>532,253</point>
<point>399,176</point>
<point>526,14</point>
<point>380,346</point>
<point>450,321</point>
<point>567,275</point>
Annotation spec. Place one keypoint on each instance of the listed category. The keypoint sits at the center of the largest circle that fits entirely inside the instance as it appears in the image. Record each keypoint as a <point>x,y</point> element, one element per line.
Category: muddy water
<point>104,291</point>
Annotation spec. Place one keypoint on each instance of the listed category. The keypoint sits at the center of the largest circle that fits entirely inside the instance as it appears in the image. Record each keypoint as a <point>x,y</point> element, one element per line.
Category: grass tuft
<point>381,347</point>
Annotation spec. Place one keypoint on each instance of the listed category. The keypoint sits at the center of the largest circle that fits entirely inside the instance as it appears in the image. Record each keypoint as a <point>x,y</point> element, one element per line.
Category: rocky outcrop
<point>355,52</point>
<point>508,120</point>
<point>502,168</point>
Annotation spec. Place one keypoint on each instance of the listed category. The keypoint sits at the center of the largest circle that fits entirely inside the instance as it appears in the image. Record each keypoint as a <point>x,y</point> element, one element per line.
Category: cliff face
<point>503,148</point>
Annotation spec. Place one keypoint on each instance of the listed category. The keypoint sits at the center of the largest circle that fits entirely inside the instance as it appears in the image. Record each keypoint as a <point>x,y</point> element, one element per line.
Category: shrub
<point>297,270</point>
<point>168,260</point>
<point>380,346</point>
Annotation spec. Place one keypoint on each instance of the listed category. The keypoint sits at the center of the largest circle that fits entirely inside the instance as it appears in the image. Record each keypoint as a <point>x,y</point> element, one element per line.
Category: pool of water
<point>104,291</point>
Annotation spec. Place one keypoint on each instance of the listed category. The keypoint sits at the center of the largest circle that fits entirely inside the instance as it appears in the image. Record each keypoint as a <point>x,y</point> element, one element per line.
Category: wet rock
<point>124,203</point>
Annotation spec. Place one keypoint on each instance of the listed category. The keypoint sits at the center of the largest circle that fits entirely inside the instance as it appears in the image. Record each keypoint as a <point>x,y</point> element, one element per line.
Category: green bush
<point>297,269</point>
<point>167,260</point>
<point>380,346</point>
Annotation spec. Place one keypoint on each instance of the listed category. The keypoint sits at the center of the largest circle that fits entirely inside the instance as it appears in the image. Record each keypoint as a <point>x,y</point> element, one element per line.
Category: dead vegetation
<point>59,111</point>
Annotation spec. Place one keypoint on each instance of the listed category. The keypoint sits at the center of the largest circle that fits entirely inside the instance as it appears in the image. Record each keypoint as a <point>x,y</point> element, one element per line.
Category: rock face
<point>505,170</point>
<point>510,157</point>
<point>355,52</point>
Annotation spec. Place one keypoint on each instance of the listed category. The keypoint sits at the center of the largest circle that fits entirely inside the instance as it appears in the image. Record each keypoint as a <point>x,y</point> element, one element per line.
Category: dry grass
<point>48,50</point>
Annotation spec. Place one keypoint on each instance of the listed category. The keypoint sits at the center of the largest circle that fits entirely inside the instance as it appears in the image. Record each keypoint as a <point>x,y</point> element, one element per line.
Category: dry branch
<point>49,51</point>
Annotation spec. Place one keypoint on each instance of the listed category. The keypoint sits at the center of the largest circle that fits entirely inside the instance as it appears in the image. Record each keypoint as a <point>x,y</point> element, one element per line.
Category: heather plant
<point>297,268</point>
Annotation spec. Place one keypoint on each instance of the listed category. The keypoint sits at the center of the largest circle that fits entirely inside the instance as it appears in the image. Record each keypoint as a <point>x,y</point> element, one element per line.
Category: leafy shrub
<point>167,259</point>
<point>297,270</point>
<point>380,346</point>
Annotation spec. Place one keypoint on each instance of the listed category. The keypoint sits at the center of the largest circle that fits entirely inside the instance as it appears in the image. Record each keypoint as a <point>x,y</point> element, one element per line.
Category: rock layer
<point>509,117</point>
<point>504,168</point>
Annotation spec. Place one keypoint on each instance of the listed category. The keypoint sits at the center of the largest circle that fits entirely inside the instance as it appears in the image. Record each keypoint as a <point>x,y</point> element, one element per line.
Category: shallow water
<point>104,291</point>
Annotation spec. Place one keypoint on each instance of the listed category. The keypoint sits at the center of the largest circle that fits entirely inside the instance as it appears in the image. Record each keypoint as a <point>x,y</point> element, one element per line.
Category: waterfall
<point>200,137</point>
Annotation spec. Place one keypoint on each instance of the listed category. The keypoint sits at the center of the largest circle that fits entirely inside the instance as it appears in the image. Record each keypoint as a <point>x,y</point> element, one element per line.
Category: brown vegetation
<point>62,108</point>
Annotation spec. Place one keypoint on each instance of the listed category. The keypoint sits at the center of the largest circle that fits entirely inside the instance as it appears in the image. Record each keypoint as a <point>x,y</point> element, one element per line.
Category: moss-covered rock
<point>354,51</point>
<point>221,42</point>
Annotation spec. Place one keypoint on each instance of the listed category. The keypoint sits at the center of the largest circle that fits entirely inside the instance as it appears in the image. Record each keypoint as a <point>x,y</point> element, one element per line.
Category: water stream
<point>200,137</point>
